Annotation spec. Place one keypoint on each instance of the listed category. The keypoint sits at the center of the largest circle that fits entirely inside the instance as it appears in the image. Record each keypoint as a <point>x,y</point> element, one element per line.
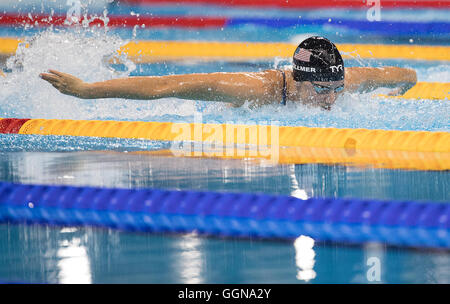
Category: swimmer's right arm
<point>235,88</point>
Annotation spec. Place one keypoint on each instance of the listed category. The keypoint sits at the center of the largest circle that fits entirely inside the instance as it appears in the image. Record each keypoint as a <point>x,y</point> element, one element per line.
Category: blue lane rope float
<point>379,27</point>
<point>399,223</point>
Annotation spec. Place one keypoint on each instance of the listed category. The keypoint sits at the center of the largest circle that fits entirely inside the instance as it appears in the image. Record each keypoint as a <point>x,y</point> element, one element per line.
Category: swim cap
<point>317,59</point>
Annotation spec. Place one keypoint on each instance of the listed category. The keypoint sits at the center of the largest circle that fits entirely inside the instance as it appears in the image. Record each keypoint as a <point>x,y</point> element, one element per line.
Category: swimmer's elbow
<point>372,78</point>
<point>394,75</point>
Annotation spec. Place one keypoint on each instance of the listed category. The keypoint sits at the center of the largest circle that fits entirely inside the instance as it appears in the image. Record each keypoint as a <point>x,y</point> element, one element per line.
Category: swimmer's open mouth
<point>326,107</point>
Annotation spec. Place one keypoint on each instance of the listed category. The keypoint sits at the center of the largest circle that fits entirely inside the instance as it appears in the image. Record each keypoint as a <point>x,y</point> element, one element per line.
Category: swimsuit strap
<point>283,102</point>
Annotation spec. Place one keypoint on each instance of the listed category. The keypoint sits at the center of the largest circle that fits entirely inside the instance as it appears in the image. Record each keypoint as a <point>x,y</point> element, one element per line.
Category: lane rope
<point>381,28</point>
<point>417,150</point>
<point>306,4</point>
<point>151,51</point>
<point>225,134</point>
<point>399,223</point>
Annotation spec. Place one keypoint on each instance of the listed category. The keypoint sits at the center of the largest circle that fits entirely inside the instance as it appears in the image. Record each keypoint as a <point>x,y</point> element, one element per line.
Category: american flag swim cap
<point>317,59</point>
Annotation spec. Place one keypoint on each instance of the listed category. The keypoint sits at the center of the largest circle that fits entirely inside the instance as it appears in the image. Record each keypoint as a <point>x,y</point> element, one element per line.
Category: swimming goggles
<point>326,90</point>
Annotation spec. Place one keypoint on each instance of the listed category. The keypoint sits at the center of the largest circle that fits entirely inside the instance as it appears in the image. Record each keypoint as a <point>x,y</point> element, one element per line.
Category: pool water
<point>49,254</point>
<point>94,255</point>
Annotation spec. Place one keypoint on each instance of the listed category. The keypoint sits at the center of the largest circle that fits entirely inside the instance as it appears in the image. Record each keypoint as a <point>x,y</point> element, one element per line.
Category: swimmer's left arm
<point>368,79</point>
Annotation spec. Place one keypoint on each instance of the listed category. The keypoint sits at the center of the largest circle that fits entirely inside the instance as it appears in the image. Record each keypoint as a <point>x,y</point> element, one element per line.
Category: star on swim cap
<point>317,59</point>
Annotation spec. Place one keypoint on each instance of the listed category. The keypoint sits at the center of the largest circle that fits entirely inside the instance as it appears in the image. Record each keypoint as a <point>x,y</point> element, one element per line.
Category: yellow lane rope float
<point>150,51</point>
<point>426,90</point>
<point>419,141</point>
<point>145,51</point>
<point>8,46</point>
<point>422,150</point>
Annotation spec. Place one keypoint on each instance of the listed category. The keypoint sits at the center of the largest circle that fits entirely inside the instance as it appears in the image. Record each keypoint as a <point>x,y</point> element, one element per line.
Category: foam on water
<point>85,53</point>
<point>350,111</point>
<point>437,73</point>
<point>79,52</point>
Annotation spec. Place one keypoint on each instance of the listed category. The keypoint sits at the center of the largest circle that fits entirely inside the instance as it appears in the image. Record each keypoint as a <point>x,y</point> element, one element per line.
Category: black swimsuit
<point>283,102</point>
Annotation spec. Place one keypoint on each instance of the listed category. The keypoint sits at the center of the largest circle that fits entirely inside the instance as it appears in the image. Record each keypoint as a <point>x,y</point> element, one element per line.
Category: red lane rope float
<point>115,21</point>
<point>11,125</point>
<point>306,4</point>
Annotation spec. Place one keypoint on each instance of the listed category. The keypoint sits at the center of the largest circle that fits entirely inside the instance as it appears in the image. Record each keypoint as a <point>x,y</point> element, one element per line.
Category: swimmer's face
<point>318,93</point>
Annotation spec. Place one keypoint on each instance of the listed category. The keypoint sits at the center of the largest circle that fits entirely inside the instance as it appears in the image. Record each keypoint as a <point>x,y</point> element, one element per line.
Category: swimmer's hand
<point>66,83</point>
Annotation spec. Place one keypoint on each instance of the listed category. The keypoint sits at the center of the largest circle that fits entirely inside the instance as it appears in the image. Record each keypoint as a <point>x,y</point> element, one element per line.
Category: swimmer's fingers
<point>60,74</point>
<point>65,83</point>
<point>53,79</point>
<point>54,75</point>
<point>49,77</point>
<point>54,82</point>
<point>64,78</point>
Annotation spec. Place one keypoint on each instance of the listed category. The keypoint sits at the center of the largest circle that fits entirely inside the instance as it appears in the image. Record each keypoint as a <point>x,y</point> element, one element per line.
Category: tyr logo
<point>336,68</point>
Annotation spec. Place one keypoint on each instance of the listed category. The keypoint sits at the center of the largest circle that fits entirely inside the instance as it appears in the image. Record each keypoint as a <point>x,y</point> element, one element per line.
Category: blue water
<point>82,254</point>
<point>90,255</point>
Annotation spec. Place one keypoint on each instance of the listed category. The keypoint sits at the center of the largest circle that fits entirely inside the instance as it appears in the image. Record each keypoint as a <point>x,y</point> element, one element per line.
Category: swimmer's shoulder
<point>276,72</point>
<point>274,80</point>
<point>277,75</point>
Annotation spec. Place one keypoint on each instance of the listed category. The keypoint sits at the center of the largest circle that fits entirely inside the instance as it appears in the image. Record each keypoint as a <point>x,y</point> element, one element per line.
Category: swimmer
<point>317,77</point>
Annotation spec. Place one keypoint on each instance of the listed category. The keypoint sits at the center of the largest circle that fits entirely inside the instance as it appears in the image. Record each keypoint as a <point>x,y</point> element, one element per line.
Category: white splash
<point>304,258</point>
<point>82,53</point>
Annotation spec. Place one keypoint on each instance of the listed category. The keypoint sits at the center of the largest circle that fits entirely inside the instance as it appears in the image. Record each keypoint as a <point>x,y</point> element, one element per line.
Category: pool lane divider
<point>147,51</point>
<point>11,126</point>
<point>152,51</point>
<point>413,150</point>
<point>304,4</point>
<point>354,221</point>
<point>425,90</point>
<point>415,141</point>
<point>143,21</point>
<point>117,21</point>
